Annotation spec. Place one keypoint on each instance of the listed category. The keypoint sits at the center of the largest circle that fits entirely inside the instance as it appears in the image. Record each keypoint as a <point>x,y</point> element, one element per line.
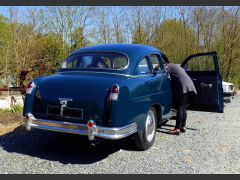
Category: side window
<point>120,62</point>
<point>104,62</point>
<point>143,67</point>
<point>155,60</point>
<point>72,63</point>
<point>200,63</point>
<point>85,61</point>
<point>164,60</point>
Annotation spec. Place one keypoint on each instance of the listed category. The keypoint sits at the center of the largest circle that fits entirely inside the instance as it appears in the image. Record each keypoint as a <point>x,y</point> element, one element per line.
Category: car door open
<point>204,71</point>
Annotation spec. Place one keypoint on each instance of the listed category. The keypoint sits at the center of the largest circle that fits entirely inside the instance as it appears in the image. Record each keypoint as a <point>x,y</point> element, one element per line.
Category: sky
<point>4,9</point>
<point>22,10</point>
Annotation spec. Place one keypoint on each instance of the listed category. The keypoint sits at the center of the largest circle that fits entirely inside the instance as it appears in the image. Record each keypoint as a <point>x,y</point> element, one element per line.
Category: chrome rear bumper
<point>76,128</point>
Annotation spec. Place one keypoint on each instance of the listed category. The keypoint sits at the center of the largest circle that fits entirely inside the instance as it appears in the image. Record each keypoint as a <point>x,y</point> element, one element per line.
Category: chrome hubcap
<point>150,126</point>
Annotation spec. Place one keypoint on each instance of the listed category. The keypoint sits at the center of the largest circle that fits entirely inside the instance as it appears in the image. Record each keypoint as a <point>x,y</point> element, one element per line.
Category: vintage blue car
<point>115,91</point>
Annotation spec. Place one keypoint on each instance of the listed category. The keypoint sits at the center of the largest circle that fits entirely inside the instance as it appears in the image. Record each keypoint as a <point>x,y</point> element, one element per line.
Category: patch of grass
<point>11,115</point>
<point>5,110</point>
<point>14,109</point>
<point>17,108</point>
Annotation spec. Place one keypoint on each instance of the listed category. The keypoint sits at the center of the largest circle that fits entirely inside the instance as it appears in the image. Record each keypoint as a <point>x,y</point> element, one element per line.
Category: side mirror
<point>154,72</point>
<point>156,68</point>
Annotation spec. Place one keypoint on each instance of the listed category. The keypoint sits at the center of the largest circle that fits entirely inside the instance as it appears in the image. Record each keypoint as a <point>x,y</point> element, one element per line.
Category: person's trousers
<point>181,111</point>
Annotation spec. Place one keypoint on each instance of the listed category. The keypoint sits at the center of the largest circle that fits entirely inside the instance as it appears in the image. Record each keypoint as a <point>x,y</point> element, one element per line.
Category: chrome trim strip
<point>126,75</point>
<point>119,74</point>
<point>82,129</point>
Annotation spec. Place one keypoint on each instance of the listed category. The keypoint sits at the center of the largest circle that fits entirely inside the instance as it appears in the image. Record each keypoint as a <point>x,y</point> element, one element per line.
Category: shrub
<point>17,108</point>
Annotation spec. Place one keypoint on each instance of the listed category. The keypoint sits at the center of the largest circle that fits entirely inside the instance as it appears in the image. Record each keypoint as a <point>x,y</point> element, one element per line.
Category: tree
<point>139,36</point>
<point>67,21</point>
<point>47,50</point>
<point>205,24</point>
<point>172,37</point>
<point>4,36</point>
<point>139,25</point>
<point>227,44</point>
<point>78,40</point>
<point>4,50</point>
<point>104,35</point>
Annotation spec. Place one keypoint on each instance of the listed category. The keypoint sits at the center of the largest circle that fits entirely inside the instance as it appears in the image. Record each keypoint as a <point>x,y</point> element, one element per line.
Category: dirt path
<point>9,121</point>
<point>8,128</point>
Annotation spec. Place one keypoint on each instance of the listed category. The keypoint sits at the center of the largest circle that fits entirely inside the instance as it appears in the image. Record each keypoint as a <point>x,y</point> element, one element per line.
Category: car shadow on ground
<point>66,149</point>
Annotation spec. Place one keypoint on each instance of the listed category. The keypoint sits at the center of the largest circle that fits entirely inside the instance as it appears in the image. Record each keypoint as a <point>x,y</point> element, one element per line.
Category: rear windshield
<point>96,61</point>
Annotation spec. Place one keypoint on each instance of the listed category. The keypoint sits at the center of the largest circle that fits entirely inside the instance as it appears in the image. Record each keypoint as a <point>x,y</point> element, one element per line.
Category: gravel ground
<point>210,145</point>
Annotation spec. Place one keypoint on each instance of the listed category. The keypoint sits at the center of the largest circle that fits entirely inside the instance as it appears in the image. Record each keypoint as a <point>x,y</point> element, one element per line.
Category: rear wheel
<point>144,139</point>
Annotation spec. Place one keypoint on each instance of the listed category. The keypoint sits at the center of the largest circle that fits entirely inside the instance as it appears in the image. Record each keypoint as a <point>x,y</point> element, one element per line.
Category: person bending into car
<point>183,93</point>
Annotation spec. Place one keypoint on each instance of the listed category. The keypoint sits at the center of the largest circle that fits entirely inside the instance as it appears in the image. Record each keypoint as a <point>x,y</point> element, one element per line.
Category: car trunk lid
<point>75,97</point>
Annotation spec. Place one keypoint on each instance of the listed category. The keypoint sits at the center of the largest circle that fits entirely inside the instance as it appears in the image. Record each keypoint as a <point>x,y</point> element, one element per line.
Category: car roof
<point>137,49</point>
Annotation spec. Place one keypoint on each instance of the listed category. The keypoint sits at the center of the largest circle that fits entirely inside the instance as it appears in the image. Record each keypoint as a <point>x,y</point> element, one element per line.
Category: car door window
<point>200,63</point>
<point>155,61</point>
<point>143,67</point>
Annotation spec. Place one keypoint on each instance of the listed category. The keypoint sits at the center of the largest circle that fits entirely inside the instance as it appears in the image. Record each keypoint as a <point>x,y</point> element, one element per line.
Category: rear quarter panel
<point>137,95</point>
<point>29,98</point>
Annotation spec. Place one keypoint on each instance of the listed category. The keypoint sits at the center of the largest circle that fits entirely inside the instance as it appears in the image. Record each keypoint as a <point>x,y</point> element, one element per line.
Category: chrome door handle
<point>206,86</point>
<point>168,76</point>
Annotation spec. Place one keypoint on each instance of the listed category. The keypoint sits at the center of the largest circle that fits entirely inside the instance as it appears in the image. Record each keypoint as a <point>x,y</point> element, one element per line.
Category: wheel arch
<point>158,111</point>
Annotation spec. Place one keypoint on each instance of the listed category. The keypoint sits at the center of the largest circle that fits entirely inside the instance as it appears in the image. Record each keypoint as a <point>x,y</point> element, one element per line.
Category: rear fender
<point>29,98</point>
<point>130,108</point>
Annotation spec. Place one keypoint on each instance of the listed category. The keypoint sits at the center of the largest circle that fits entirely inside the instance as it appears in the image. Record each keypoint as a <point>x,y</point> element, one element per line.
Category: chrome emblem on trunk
<point>63,102</point>
<point>65,99</point>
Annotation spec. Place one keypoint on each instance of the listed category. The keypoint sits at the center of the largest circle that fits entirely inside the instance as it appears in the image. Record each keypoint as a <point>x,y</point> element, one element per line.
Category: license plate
<point>72,112</point>
<point>67,112</point>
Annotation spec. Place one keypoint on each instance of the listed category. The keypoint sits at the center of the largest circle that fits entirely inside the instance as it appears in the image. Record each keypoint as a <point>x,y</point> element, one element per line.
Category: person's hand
<point>166,67</point>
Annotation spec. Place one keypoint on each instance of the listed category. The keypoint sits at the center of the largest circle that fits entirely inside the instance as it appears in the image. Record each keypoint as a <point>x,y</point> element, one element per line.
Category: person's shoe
<point>183,130</point>
<point>174,131</point>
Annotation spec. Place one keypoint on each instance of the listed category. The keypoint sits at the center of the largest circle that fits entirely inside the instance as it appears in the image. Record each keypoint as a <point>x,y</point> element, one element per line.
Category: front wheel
<point>144,139</point>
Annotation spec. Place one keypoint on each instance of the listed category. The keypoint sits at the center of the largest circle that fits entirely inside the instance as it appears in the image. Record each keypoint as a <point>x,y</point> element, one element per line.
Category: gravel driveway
<point>211,145</point>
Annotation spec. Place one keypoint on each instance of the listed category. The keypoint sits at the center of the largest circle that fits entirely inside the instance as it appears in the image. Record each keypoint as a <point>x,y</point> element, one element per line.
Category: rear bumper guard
<point>76,128</point>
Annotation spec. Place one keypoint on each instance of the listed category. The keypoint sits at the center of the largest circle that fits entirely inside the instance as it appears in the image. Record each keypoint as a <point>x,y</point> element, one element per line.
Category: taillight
<point>90,124</point>
<point>114,93</point>
<point>30,87</point>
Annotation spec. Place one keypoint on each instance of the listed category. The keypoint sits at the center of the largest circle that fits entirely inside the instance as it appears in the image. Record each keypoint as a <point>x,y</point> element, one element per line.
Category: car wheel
<point>144,139</point>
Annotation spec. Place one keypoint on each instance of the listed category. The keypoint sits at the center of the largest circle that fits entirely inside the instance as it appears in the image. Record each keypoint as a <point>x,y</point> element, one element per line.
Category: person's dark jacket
<point>181,82</point>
